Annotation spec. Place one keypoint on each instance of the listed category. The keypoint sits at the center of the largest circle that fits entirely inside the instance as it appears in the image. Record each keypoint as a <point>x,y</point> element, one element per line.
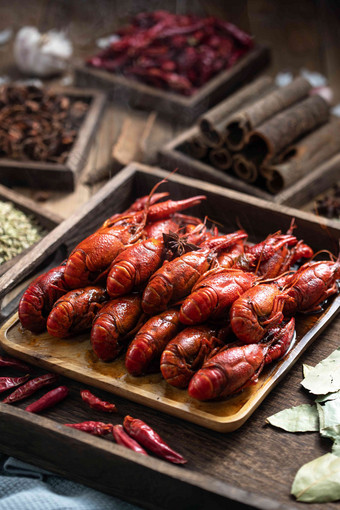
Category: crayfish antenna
<point>292,227</point>
<point>331,255</point>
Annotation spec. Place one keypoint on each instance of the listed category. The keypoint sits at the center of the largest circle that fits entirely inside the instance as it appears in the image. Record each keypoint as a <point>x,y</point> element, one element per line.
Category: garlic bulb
<point>41,54</point>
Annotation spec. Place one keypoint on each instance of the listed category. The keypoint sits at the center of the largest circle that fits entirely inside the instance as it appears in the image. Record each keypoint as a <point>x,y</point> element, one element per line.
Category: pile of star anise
<point>329,205</point>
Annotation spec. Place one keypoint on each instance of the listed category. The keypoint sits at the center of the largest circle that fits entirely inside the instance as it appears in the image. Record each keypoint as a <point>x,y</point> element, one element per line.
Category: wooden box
<point>175,106</point>
<point>57,176</point>
<point>245,468</point>
<point>172,156</point>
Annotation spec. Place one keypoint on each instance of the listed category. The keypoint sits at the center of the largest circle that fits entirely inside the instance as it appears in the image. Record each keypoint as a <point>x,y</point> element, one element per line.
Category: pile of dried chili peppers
<point>134,434</point>
<point>174,52</point>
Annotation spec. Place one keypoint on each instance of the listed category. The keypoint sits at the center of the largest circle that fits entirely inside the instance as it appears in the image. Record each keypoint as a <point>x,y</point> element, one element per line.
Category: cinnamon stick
<point>299,159</point>
<point>196,147</point>
<point>245,121</point>
<point>221,158</point>
<point>213,122</point>
<point>244,168</point>
<point>270,138</point>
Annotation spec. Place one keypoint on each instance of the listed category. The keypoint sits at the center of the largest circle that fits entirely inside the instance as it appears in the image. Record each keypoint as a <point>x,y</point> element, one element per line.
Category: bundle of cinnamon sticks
<point>268,135</point>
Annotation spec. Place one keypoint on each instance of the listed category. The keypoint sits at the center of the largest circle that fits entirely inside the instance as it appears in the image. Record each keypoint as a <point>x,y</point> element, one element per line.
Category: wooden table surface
<point>257,458</point>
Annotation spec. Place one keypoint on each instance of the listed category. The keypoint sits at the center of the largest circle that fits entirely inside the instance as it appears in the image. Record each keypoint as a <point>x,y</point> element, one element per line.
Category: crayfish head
<point>248,330</point>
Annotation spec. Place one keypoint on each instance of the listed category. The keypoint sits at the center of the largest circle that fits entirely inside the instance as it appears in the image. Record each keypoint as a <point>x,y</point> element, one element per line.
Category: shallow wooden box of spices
<point>43,219</point>
<point>174,155</point>
<point>174,106</point>
<point>57,175</point>
<point>50,442</point>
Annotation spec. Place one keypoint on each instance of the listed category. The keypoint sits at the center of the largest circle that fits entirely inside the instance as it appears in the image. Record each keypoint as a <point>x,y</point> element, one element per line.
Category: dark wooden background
<point>301,34</point>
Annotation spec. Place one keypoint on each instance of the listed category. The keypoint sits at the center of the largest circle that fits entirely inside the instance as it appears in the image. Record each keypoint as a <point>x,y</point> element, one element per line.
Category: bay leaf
<point>306,369</point>
<point>325,377</point>
<point>318,481</point>
<point>302,418</point>
<point>329,414</point>
<point>336,448</point>
<point>329,396</point>
<point>333,432</point>
<point>321,416</point>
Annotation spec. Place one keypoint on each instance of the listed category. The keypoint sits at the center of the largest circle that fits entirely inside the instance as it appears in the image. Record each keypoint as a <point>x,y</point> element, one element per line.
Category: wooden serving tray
<point>252,467</point>
<point>296,195</point>
<point>57,176</point>
<point>175,106</point>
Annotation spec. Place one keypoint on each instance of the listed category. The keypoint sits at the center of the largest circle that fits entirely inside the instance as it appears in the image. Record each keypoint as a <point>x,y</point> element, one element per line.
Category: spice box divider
<point>223,471</point>
<point>175,106</point>
<point>316,182</point>
<point>170,157</point>
<point>48,175</point>
<point>47,219</point>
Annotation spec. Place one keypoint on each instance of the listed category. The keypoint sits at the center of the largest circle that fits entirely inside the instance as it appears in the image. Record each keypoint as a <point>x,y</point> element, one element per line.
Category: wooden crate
<point>57,176</point>
<point>320,178</point>
<point>244,469</point>
<point>175,106</point>
<point>47,219</point>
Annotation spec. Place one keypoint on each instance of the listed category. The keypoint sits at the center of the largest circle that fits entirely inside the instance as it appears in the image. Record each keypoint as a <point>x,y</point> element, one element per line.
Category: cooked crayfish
<point>310,286</point>
<point>38,299</point>
<point>186,353</point>
<point>92,257</point>
<point>145,350</point>
<point>256,311</point>
<point>135,265</point>
<point>138,205</point>
<point>233,369</point>
<point>74,312</point>
<point>114,326</point>
<point>213,294</point>
<point>175,279</point>
<point>272,256</point>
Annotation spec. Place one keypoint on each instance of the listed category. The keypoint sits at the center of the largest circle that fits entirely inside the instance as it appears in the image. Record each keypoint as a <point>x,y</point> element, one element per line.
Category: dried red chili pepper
<point>30,387</point>
<point>97,403</point>
<point>7,383</point>
<point>48,400</point>
<point>6,361</point>
<point>147,437</point>
<point>122,438</point>
<point>172,51</point>
<point>97,428</point>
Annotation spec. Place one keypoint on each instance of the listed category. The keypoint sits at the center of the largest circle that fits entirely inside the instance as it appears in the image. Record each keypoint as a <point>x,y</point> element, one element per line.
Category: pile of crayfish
<point>207,310</point>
